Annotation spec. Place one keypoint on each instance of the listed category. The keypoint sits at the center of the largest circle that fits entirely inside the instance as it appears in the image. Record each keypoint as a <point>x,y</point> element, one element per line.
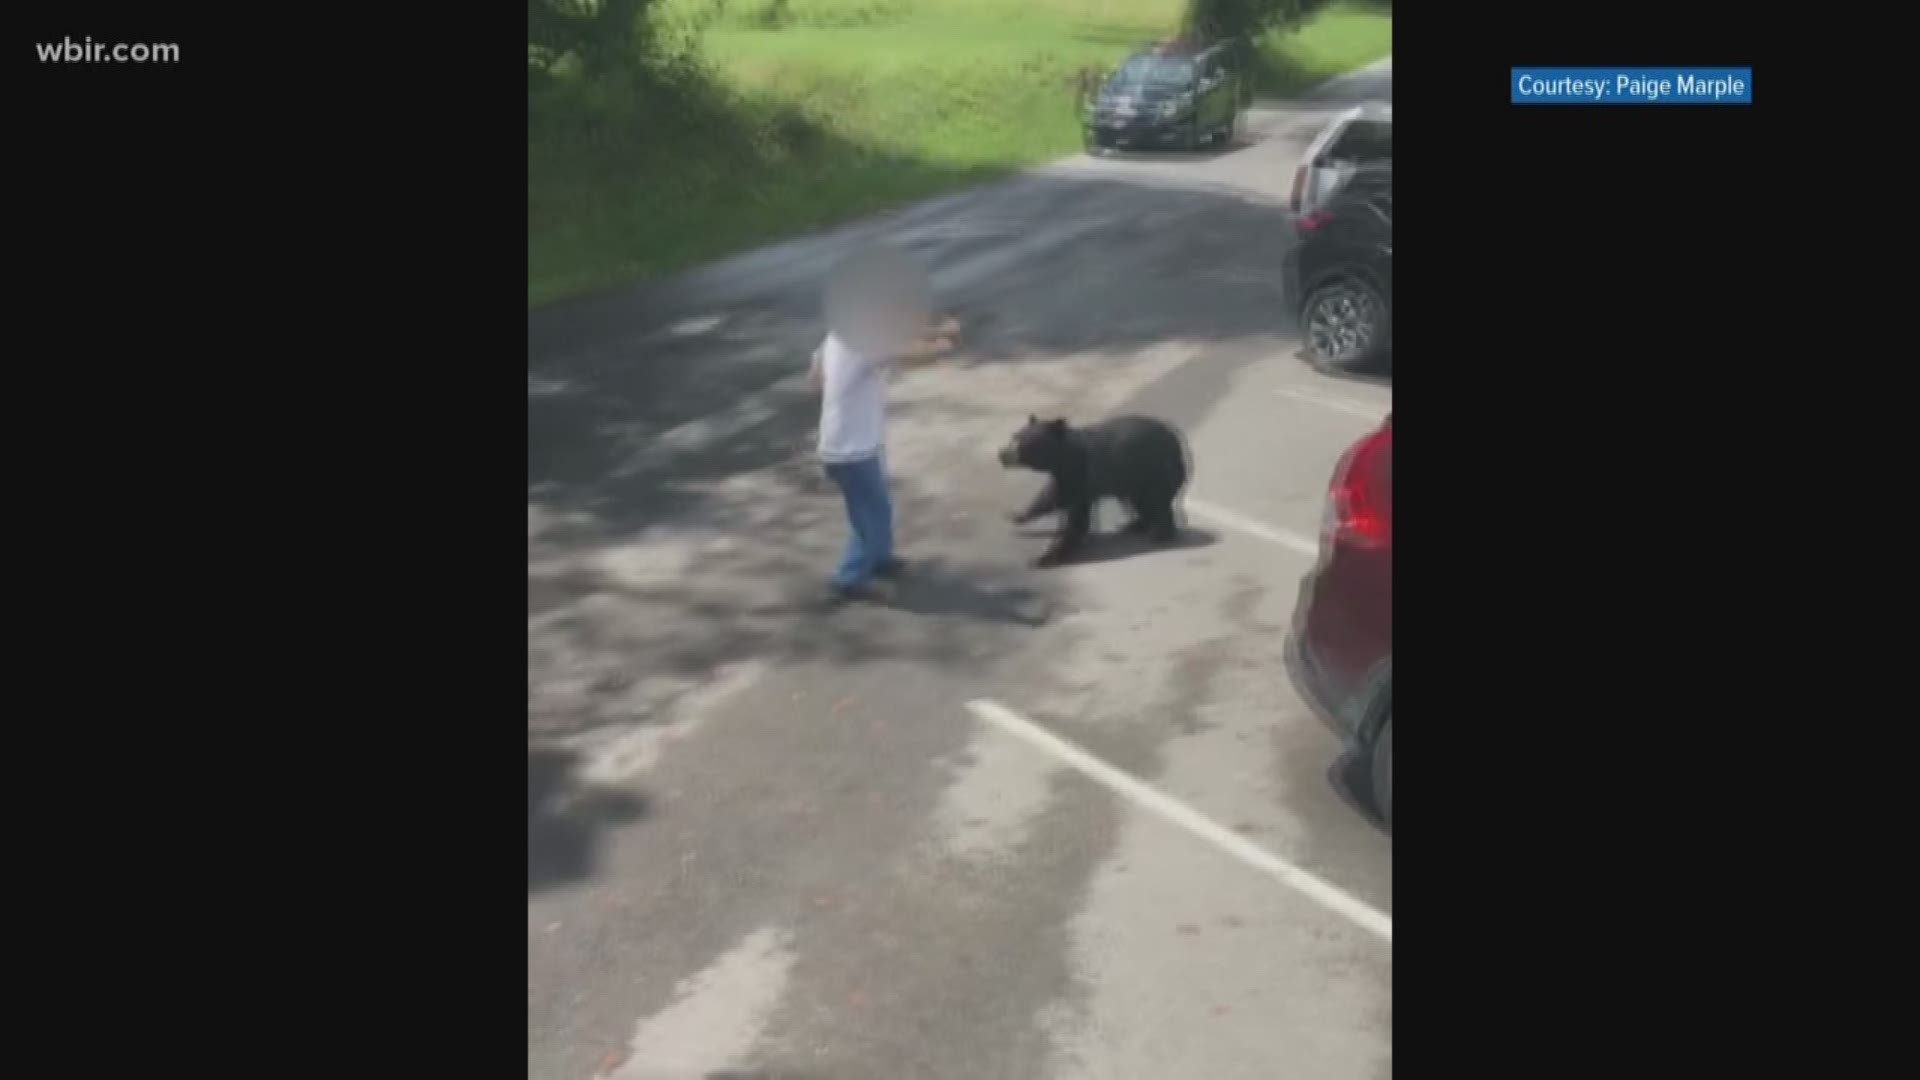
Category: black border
<point>268,467</point>
<point>1602,457</point>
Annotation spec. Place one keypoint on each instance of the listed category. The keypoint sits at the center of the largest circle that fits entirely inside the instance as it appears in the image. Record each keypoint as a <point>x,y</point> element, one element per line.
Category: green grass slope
<point>802,113</point>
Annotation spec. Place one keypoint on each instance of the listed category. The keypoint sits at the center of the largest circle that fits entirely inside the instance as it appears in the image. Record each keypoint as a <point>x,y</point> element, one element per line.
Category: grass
<point>810,112</point>
<point>1339,38</point>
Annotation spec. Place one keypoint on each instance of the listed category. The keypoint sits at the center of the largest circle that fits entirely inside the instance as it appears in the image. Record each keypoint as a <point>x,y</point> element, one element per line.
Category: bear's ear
<point>1032,420</point>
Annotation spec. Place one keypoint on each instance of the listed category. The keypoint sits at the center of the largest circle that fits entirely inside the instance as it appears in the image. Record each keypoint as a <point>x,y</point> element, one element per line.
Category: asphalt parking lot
<point>1020,824</point>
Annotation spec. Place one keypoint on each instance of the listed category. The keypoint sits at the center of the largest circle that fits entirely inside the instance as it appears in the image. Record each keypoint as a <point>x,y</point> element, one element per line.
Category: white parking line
<point>1173,810</point>
<point>718,1015</point>
<point>1363,410</point>
<point>1220,515</point>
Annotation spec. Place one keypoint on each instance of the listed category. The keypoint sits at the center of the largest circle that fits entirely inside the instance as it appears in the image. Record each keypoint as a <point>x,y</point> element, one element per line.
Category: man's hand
<point>937,340</point>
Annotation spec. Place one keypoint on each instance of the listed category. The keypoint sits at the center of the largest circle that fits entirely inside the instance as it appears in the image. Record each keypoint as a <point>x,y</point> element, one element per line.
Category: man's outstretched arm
<point>935,342</point>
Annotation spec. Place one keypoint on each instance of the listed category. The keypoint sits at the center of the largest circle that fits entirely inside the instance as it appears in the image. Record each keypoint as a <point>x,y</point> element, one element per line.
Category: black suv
<point>1168,95</point>
<point>1339,272</point>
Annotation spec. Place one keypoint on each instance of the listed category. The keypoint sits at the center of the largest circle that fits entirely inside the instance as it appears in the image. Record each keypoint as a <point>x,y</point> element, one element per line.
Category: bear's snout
<point>1008,458</point>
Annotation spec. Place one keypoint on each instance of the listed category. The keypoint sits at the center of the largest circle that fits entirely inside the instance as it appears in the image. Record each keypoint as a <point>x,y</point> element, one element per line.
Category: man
<point>853,407</point>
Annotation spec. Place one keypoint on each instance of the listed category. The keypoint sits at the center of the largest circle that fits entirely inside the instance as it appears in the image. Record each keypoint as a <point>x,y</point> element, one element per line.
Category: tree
<point>600,34</point>
<point>1219,20</point>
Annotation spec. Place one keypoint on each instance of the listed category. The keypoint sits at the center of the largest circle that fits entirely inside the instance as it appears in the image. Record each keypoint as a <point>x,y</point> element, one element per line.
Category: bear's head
<point>1043,446</point>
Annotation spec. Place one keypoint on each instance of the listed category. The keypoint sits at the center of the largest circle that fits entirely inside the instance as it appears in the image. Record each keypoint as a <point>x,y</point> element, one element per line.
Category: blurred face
<point>878,301</point>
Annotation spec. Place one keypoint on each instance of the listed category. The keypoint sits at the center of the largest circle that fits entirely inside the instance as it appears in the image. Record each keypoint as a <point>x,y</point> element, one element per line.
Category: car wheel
<point>1346,323</point>
<point>1383,773</point>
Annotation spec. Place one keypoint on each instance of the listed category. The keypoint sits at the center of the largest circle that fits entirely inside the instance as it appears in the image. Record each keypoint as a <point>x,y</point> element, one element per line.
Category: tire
<point>1347,324</point>
<point>1230,135</point>
<point>1383,773</point>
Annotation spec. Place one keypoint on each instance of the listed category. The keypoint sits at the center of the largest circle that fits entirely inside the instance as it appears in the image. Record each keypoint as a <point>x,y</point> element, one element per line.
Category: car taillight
<point>1299,187</point>
<point>1361,500</point>
<point>1310,222</point>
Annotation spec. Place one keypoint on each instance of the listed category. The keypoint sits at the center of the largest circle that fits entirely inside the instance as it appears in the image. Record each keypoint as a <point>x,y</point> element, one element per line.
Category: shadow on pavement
<point>617,631</point>
<point>1163,154</point>
<point>690,409</point>
<point>565,818</point>
<point>1051,266</point>
<point>1113,546</point>
<point>934,589</point>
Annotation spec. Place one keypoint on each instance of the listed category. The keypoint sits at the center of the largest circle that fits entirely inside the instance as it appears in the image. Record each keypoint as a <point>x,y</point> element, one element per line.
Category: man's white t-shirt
<point>853,404</point>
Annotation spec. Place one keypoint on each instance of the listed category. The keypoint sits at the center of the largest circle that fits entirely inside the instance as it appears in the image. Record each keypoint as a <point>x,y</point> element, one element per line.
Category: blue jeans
<point>863,483</point>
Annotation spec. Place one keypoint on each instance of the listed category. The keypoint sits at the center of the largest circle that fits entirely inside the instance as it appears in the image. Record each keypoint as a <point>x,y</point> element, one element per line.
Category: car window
<point>1154,71</point>
<point>1363,141</point>
<point>1365,180</point>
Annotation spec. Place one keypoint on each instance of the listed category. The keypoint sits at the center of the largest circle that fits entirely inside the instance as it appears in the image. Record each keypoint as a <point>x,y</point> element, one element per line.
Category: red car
<point>1340,650</point>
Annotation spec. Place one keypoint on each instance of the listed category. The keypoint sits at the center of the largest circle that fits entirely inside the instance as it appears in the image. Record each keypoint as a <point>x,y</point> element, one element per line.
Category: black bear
<point>1136,459</point>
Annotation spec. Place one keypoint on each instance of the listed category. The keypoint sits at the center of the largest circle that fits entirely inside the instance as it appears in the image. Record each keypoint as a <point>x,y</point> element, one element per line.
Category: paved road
<point>766,841</point>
